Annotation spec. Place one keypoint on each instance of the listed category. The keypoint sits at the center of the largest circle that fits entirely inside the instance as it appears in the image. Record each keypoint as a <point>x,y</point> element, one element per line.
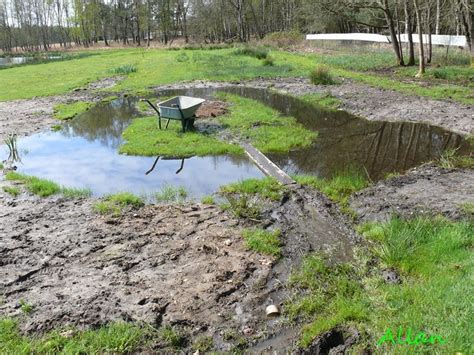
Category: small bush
<point>124,69</point>
<point>263,241</point>
<point>283,39</point>
<point>321,75</point>
<point>256,52</point>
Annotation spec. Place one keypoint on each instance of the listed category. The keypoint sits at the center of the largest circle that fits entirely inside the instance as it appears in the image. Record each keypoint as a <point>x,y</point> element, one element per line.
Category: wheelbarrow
<point>179,108</point>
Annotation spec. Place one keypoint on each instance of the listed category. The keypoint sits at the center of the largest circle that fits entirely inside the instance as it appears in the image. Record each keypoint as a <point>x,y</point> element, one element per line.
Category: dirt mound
<point>210,109</point>
<point>427,190</point>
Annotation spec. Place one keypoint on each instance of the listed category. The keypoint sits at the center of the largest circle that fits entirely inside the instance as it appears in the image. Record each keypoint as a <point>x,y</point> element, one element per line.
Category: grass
<point>434,259</point>
<point>262,241</point>
<point>124,69</point>
<point>171,193</point>
<point>69,111</point>
<point>258,52</point>
<point>450,159</point>
<point>37,186</point>
<point>267,187</point>
<point>75,193</point>
<point>250,120</point>
<point>116,203</point>
<point>321,75</point>
<point>217,64</point>
<point>113,338</point>
<point>467,209</point>
<point>243,206</point>
<point>322,99</point>
<point>56,128</point>
<point>339,188</point>
<point>26,307</point>
<point>208,200</point>
<point>203,344</point>
<point>143,137</point>
<point>12,190</point>
<point>172,337</point>
<point>46,188</point>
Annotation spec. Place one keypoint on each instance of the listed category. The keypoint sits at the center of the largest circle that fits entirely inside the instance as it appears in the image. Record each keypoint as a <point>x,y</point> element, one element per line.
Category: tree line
<point>33,25</point>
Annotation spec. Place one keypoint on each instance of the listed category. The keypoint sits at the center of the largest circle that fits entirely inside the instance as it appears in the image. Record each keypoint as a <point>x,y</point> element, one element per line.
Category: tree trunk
<point>421,71</point>
<point>409,32</point>
<point>393,34</point>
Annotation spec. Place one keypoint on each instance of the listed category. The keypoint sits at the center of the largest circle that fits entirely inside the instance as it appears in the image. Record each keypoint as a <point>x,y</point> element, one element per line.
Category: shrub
<point>321,75</point>
<point>256,52</point>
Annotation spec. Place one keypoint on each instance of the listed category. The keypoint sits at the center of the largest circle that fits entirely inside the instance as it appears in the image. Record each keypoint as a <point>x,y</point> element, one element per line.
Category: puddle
<point>346,141</point>
<point>85,154</point>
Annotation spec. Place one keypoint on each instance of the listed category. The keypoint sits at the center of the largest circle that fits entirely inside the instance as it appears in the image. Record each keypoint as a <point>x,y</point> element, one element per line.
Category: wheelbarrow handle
<point>151,104</point>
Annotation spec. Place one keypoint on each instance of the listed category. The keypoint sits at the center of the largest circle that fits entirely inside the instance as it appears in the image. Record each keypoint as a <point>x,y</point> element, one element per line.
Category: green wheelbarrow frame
<point>179,108</point>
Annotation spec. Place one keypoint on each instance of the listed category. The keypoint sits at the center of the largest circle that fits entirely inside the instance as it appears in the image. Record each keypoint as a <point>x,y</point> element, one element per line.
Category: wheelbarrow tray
<point>179,107</point>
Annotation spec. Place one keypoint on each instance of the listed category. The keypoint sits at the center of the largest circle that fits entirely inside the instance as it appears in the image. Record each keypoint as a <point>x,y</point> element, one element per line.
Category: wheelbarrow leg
<point>159,121</point>
<point>167,124</point>
<point>184,123</point>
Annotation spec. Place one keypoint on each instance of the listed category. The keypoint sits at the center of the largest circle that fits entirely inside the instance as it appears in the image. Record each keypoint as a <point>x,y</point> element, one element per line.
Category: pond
<point>84,153</point>
<point>8,61</point>
<point>346,141</point>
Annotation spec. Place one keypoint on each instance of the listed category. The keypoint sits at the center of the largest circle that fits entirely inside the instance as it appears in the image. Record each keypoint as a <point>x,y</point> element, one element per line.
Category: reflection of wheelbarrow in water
<point>179,108</point>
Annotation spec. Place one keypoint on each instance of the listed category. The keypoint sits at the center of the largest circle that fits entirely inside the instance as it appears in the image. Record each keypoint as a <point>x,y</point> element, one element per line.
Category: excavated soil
<point>369,102</point>
<point>211,109</point>
<point>428,190</point>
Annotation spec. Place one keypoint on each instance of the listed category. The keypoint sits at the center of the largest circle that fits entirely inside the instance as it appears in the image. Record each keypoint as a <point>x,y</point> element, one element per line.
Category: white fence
<point>445,40</point>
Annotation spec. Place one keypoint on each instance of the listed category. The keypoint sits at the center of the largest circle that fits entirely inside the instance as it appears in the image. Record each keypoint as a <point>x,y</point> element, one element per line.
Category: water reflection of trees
<point>104,123</point>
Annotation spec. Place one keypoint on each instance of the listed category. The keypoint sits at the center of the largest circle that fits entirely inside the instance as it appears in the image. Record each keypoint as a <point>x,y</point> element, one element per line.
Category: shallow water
<point>85,154</point>
<point>346,141</point>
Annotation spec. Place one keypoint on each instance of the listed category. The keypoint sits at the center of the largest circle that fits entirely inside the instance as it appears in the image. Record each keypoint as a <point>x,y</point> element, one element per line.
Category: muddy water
<point>346,141</point>
<point>85,154</point>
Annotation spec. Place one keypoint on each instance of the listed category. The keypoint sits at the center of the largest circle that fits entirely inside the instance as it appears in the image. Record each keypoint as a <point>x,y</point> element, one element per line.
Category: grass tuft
<point>258,52</point>
<point>267,187</point>
<point>12,190</point>
<point>208,200</point>
<point>124,69</point>
<point>262,241</point>
<point>37,186</point>
<point>451,160</point>
<point>115,204</point>
<point>171,193</point>
<point>172,337</point>
<point>75,193</point>
<point>321,75</point>
<point>69,111</point>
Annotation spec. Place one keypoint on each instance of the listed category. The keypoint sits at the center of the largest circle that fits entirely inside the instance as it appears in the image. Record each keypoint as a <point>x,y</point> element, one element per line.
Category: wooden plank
<point>266,165</point>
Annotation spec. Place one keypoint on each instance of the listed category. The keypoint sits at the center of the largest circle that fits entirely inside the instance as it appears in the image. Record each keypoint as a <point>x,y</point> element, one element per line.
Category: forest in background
<point>33,25</point>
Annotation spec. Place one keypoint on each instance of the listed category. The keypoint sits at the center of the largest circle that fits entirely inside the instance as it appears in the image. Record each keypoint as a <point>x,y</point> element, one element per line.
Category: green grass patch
<point>69,111</point>
<point>116,203</point>
<point>339,188</point>
<point>170,193</point>
<point>263,126</point>
<point>12,190</point>
<point>322,99</point>
<point>172,337</point>
<point>208,200</point>
<point>37,186</point>
<point>467,208</point>
<point>243,206</point>
<point>434,259</point>
<point>262,241</point>
<point>328,295</point>
<point>258,52</point>
<point>56,128</point>
<point>44,187</point>
<point>203,344</point>
<point>75,193</point>
<point>143,137</point>
<point>113,338</point>
<point>109,99</point>
<point>267,187</point>
<point>450,159</point>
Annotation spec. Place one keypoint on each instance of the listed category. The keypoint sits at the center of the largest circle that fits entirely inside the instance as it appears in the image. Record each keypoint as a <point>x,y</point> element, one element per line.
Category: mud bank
<point>365,101</point>
<point>428,190</point>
